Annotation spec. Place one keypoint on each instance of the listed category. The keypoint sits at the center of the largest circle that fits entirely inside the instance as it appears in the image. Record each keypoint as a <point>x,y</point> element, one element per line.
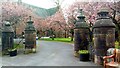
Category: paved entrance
<point>48,54</point>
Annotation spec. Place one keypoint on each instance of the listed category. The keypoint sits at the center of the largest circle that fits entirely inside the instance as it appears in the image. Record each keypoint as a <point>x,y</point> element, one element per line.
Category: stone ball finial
<point>7,23</point>
<point>81,15</point>
<point>30,18</point>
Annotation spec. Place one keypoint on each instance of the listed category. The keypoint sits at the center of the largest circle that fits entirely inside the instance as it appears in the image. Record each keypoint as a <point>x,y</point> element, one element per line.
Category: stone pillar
<point>7,38</point>
<point>30,37</point>
<point>104,35</point>
<point>81,34</point>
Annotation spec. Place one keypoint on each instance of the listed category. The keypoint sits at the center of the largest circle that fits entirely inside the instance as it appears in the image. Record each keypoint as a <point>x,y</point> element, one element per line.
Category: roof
<point>7,27</point>
<point>80,24</point>
<point>42,12</point>
<point>103,19</point>
<point>105,22</point>
<point>103,10</point>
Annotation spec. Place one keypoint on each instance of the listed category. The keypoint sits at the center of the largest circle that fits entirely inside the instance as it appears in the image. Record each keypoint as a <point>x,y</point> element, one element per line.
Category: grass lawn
<point>67,40</point>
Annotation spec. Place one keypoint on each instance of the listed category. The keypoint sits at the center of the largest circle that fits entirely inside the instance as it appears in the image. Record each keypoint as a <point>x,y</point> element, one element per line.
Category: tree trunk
<point>65,34</point>
<point>15,33</point>
<point>72,36</point>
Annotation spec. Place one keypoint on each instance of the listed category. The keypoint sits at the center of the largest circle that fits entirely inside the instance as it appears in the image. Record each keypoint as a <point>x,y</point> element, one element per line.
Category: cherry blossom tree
<point>115,15</point>
<point>55,23</point>
<point>90,11</point>
<point>18,15</point>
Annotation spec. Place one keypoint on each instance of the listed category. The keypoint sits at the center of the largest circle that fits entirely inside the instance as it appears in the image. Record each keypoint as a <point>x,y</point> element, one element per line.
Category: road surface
<point>48,54</point>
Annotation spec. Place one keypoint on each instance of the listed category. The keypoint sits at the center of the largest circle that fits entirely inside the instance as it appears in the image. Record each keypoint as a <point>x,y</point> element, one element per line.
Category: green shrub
<point>15,47</point>
<point>83,52</point>
<point>12,49</point>
<point>117,45</point>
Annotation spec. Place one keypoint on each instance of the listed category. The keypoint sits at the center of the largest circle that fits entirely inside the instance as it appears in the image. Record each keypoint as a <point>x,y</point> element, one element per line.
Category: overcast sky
<point>50,3</point>
<point>47,3</point>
